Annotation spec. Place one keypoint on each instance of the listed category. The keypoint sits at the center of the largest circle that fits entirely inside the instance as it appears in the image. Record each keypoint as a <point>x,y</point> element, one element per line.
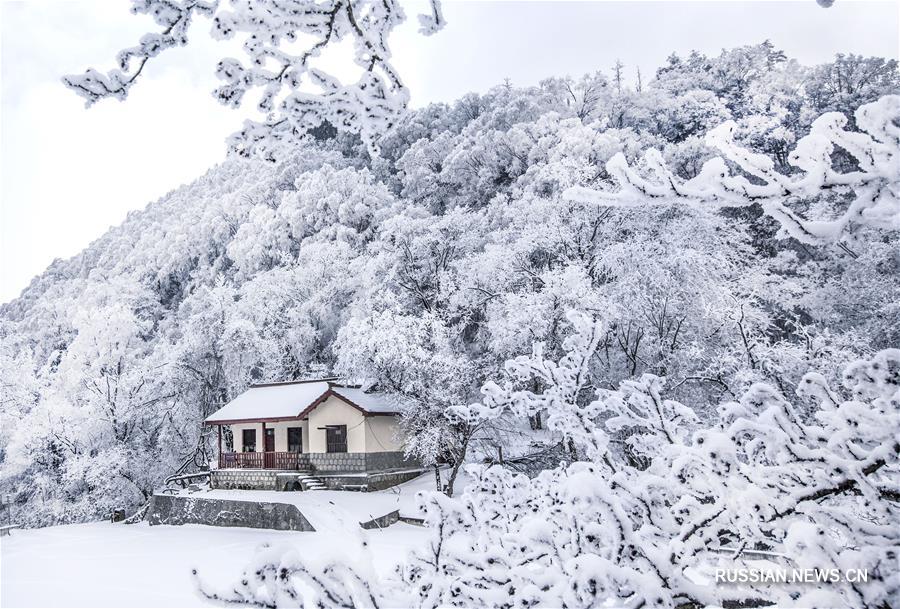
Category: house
<point>312,433</point>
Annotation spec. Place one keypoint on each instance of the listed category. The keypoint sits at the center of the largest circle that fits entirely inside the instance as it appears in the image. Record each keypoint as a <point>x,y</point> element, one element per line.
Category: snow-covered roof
<point>370,402</point>
<point>291,400</point>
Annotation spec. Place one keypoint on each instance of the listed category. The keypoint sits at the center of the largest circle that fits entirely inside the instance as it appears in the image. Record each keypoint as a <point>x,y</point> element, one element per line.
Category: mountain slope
<point>424,270</point>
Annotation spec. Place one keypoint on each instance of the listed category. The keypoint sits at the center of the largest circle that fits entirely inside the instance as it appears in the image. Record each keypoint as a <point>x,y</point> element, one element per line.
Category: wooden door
<point>269,454</point>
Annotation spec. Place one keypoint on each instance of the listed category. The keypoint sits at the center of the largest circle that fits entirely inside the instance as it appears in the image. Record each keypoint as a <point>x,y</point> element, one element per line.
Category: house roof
<point>296,399</point>
<point>372,403</point>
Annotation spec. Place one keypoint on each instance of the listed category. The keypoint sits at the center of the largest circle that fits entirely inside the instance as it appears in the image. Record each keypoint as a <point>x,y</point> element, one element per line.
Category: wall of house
<point>383,434</point>
<point>281,434</point>
<point>335,411</point>
<point>375,434</point>
<point>236,433</point>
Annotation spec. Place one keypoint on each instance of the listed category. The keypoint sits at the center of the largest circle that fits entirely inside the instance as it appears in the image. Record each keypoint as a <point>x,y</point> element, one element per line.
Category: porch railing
<point>265,460</point>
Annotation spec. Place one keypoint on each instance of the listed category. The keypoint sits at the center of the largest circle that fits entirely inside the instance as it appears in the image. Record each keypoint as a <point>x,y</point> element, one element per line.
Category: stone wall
<point>178,510</point>
<point>271,480</point>
<point>382,521</point>
<point>371,481</point>
<point>377,482</point>
<point>359,462</point>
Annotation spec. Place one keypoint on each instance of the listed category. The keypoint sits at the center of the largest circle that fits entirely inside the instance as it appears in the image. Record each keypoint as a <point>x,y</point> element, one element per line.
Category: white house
<point>318,426</point>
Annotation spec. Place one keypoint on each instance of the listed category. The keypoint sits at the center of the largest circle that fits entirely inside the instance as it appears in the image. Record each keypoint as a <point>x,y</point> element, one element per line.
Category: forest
<point>560,295</point>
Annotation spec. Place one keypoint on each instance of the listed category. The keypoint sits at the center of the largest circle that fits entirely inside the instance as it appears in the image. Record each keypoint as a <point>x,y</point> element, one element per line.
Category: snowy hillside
<point>427,271</point>
<point>667,314</point>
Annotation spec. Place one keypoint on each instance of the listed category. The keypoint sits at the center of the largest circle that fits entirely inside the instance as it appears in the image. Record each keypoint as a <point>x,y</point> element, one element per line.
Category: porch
<point>264,460</point>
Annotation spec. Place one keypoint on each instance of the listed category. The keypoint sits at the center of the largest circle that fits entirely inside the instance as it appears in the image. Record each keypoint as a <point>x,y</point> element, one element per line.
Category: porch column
<point>221,456</point>
<point>262,446</point>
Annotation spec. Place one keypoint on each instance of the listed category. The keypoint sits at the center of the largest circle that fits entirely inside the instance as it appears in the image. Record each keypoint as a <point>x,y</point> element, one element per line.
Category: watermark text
<point>790,576</point>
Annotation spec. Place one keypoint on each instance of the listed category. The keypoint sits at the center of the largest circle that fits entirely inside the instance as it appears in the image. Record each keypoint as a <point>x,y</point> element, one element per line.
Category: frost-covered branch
<point>873,188</point>
<point>279,577</point>
<point>173,16</point>
<point>295,96</point>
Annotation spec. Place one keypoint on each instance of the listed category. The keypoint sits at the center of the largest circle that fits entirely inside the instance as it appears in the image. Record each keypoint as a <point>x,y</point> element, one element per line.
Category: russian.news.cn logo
<point>790,576</point>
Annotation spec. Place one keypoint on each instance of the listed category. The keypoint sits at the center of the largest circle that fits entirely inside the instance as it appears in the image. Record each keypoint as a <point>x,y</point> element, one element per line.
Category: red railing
<point>267,460</point>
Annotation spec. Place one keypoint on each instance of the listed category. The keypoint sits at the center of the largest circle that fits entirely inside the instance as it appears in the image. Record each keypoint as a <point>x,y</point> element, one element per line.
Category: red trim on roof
<point>347,401</point>
<point>318,401</point>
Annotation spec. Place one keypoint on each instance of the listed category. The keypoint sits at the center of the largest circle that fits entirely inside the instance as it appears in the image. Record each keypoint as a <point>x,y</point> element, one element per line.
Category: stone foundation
<point>358,462</point>
<point>389,461</point>
<point>279,480</point>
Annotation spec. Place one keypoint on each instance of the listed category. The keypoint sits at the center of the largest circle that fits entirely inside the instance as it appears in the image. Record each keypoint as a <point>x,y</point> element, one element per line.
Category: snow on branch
<point>873,187</point>
<point>173,16</point>
<point>295,96</point>
<point>278,577</point>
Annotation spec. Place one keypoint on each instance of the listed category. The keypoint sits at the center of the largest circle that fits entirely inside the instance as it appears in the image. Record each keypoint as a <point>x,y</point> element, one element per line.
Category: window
<point>336,438</point>
<point>295,440</point>
<point>248,440</point>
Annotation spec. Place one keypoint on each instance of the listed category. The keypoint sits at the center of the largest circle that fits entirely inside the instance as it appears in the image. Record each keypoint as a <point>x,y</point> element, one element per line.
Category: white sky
<point>68,173</point>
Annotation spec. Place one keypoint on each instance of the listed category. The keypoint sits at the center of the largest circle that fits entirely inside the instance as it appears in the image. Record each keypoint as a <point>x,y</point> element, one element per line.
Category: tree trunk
<point>437,478</point>
<point>573,451</point>
<point>457,462</point>
<point>448,490</point>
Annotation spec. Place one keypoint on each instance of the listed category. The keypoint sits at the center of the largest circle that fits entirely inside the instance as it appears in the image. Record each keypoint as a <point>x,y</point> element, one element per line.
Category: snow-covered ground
<point>115,565</point>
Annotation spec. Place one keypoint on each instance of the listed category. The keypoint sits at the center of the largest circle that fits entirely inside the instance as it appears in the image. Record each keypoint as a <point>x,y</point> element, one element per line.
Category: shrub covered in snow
<point>822,490</point>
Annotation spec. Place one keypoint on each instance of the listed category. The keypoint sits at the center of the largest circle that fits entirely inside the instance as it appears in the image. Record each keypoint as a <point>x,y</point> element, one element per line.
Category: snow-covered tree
<point>414,360</point>
<point>866,196</point>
